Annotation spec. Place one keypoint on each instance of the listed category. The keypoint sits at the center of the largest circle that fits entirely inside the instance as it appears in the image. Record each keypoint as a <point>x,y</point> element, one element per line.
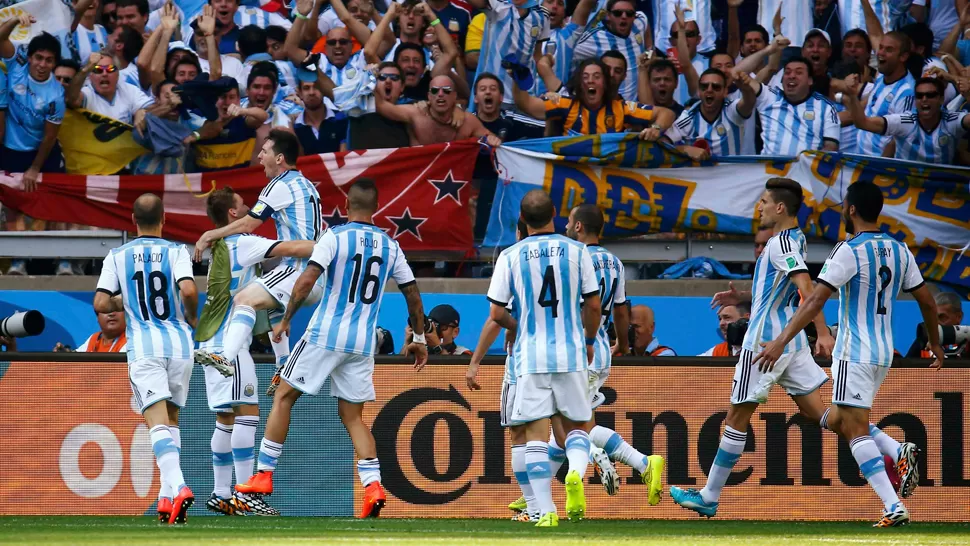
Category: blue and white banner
<point>648,188</point>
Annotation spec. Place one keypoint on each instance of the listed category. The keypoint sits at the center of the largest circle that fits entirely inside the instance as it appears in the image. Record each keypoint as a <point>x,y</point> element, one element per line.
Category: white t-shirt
<point>128,99</point>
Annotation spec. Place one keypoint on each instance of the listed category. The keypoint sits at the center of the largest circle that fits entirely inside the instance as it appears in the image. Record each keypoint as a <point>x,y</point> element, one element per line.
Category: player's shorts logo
<point>249,390</point>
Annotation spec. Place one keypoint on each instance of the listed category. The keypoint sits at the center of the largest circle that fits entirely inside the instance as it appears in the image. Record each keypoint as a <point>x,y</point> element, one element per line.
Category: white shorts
<point>541,395</point>
<point>242,388</point>
<point>508,398</point>
<point>597,378</point>
<point>796,372</point>
<point>156,379</point>
<point>279,283</point>
<point>856,384</point>
<point>351,375</point>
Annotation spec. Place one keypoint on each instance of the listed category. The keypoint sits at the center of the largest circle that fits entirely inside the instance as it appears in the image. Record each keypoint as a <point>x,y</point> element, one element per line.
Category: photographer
<point>441,331</point>
<point>728,315</point>
<point>110,338</point>
<point>642,341</point>
<point>950,313</point>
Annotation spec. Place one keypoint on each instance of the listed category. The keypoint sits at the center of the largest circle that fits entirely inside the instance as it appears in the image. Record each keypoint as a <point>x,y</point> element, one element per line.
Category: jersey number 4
<point>157,289</point>
<point>363,279</point>
<point>548,294</point>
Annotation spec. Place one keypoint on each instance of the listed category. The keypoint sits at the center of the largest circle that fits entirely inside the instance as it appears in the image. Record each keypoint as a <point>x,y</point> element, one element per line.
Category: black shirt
<point>327,140</point>
<point>419,92</point>
<point>371,131</point>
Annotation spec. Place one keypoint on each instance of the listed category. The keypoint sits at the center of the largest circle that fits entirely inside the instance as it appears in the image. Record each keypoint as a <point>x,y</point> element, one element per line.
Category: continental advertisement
<point>74,444</point>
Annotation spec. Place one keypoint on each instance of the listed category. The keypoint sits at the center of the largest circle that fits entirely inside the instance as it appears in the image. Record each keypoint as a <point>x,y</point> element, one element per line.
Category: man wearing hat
<point>441,340</point>
<point>817,50</point>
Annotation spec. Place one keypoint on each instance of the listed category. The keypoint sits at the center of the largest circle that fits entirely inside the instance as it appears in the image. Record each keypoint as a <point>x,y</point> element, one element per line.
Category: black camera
<point>736,331</point>
<point>429,325</point>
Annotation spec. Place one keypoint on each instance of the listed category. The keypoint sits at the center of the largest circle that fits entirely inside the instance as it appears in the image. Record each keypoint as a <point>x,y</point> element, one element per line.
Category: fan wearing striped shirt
<point>930,134</point>
<point>625,30</point>
<point>719,122</point>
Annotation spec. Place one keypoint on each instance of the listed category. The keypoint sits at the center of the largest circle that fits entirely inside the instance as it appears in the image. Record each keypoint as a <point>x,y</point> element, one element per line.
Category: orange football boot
<point>164,509</point>
<point>180,505</point>
<point>374,499</point>
<point>260,483</point>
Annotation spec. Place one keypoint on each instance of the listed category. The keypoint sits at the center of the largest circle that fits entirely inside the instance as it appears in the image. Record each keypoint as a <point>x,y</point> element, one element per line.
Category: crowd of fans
<point>203,83</point>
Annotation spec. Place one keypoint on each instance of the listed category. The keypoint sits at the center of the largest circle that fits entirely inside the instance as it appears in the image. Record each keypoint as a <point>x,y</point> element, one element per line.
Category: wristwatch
<point>436,350</point>
<point>657,126</point>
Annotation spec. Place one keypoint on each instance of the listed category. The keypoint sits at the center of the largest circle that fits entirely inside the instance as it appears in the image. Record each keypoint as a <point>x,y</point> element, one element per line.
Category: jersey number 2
<point>362,277</point>
<point>157,288</point>
<point>548,295</point>
<point>886,278</point>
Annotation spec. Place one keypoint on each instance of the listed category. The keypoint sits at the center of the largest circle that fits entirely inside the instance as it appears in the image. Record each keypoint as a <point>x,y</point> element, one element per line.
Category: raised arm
<point>527,104</point>
<point>548,75</point>
<point>207,26</point>
<point>246,224</point>
<point>375,47</point>
<point>853,105</point>
<point>403,113</point>
<point>873,26</point>
<point>73,97</point>
<point>449,51</point>
<point>79,9</point>
<point>581,14</point>
<point>294,249</point>
<point>949,44</point>
<point>291,46</point>
<point>169,23</point>
<point>777,46</point>
<point>734,28</point>
<point>7,49</point>
<point>756,61</point>
<point>683,54</point>
<point>748,96</point>
<point>644,93</point>
<point>358,30</point>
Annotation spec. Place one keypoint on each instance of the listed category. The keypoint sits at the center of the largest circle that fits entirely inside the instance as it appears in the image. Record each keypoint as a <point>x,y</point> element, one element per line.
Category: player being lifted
<point>158,295</point>
<point>780,279</point>
<point>235,262</point>
<point>868,270</point>
<point>549,276</point>
<point>339,341</point>
<point>294,204</point>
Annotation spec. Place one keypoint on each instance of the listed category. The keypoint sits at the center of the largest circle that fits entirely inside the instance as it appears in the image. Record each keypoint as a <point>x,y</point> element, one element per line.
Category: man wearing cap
<point>441,340</point>
<point>817,50</point>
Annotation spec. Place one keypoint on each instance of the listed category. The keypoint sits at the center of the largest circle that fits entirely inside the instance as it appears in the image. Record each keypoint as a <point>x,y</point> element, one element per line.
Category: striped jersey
<point>915,143</point>
<point>294,204</point>
<point>698,11</point>
<point>750,128</point>
<point>868,271</point>
<point>507,33</point>
<point>80,44</point>
<point>548,274</point>
<point>612,285</point>
<point>774,297</point>
<point>798,18</point>
<point>357,260</point>
<point>598,40</point>
<point>682,92</point>
<point>725,134</point>
<point>787,129</point>
<point>885,99</point>
<point>509,375</point>
<point>345,73</point>
<point>564,40</point>
<point>852,16</point>
<point>613,117</point>
<point>245,254</point>
<point>146,272</point>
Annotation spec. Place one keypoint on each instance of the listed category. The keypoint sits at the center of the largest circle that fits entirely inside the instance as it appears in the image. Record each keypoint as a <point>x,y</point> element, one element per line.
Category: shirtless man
<point>437,122</point>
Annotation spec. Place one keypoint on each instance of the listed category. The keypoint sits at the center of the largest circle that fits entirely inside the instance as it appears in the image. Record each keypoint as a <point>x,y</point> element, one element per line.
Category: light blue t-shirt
<point>3,90</point>
<point>30,104</point>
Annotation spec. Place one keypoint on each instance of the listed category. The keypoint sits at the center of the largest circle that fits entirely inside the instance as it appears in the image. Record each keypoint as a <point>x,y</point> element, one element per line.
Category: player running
<point>294,204</point>
<point>339,341</point>
<point>158,295</point>
<point>780,279</point>
<point>585,225</point>
<point>549,276</point>
<point>235,262</point>
<point>868,270</point>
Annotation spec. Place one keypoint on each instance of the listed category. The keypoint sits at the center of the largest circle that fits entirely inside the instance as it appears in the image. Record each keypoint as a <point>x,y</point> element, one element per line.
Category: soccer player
<point>294,204</point>
<point>550,276</point>
<point>868,270</point>
<point>235,262</point>
<point>339,341</point>
<point>585,225</point>
<point>151,280</point>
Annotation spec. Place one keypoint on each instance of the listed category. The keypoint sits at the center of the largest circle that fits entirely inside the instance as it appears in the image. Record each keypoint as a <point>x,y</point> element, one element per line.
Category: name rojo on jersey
<point>146,272</point>
<point>612,285</point>
<point>294,204</point>
<point>868,270</point>
<point>774,297</point>
<point>357,260</point>
<point>548,275</point>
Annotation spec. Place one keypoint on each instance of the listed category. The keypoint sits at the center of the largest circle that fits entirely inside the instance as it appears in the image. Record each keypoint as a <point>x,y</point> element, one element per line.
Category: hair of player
<point>760,30</point>
<point>935,82</point>
<point>537,209</point>
<point>362,196</point>
<point>286,144</point>
<point>68,63</point>
<point>45,41</point>
<point>591,216</point>
<point>148,211</point>
<point>490,76</point>
<point>866,197</point>
<point>864,35</point>
<point>743,308</point>
<point>949,299</point>
<point>660,66</point>
<point>264,69</point>
<point>921,35</point>
<point>612,3</point>
<point>251,41</point>
<point>407,46</point>
<point>142,5</point>
<point>801,60</point>
<point>575,84</point>
<point>614,54</point>
<point>787,192</point>
<point>275,33</point>
<point>217,205</point>
<point>715,72</point>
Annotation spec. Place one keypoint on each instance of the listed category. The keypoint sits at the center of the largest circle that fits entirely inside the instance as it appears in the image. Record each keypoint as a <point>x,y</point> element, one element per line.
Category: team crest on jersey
<point>453,25</point>
<point>809,116</point>
<point>249,390</point>
<point>534,32</point>
<point>721,130</point>
<point>790,261</point>
<point>20,89</point>
<point>610,120</point>
<point>351,73</point>
<point>944,140</point>
<point>889,97</point>
<point>259,208</point>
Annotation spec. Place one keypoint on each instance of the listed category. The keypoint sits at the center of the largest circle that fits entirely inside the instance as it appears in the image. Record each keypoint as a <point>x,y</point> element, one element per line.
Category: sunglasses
<point>689,34</point>
<point>109,15</point>
<point>710,85</point>
<point>623,12</point>
<point>446,90</point>
<point>105,69</point>
<point>392,77</point>
<point>63,79</point>
<point>930,95</point>
<point>341,41</point>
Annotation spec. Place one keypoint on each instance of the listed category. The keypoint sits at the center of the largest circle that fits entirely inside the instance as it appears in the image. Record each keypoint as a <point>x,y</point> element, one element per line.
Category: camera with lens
<point>736,331</point>
<point>429,325</point>
<point>23,324</point>
<point>954,339</point>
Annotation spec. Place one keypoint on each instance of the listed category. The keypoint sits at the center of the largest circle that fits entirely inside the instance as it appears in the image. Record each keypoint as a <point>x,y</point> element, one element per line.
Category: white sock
<point>728,453</point>
<point>281,349</point>
<point>577,451</point>
<point>557,456</point>
<point>617,448</point>
<point>167,457</point>
<point>887,444</point>
<point>522,476</point>
<point>244,446</point>
<point>164,489</point>
<point>369,471</point>
<point>240,331</point>
<point>221,460</point>
<point>873,468</point>
<point>540,474</point>
<point>269,455</point>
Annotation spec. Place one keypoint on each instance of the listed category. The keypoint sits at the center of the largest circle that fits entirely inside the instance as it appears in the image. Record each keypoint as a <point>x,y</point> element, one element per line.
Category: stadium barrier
<point>75,444</point>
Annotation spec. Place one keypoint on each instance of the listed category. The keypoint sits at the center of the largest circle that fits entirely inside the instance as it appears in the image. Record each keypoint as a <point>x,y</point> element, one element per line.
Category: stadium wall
<point>74,444</point>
